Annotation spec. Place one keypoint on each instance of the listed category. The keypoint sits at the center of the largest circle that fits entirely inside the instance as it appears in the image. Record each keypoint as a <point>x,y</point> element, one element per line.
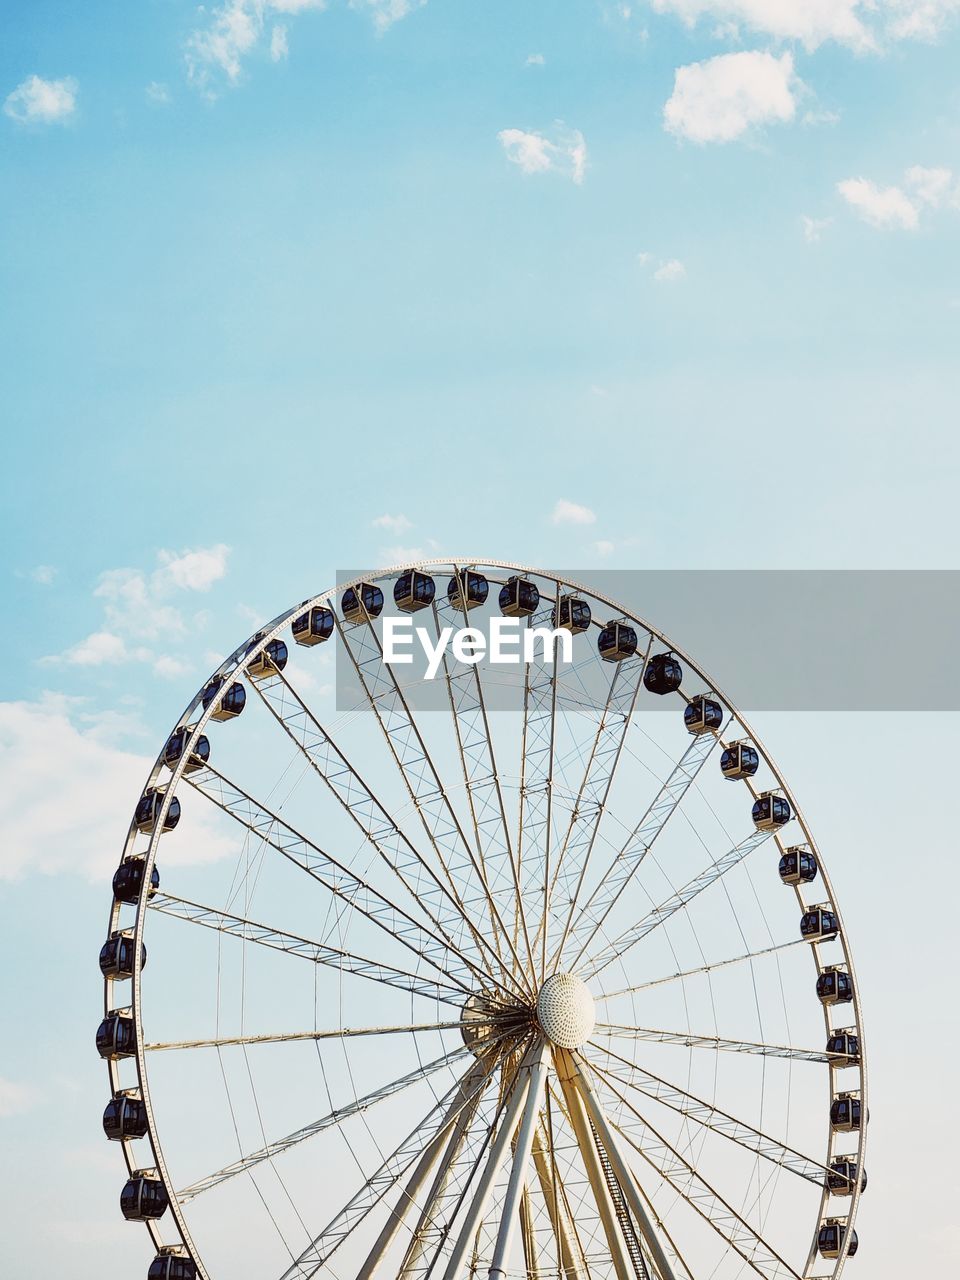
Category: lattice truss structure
<point>529,970</point>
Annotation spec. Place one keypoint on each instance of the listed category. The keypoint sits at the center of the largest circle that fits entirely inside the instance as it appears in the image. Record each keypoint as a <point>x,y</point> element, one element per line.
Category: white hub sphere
<point>565,1011</point>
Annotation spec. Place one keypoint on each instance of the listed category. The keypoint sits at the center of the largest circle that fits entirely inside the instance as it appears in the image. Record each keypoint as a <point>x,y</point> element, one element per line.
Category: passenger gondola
<point>834,986</point>
<point>702,714</point>
<point>831,1237</point>
<point>616,641</point>
<point>229,704</point>
<point>313,627</point>
<point>116,955</point>
<point>125,1116</point>
<point>144,1197</point>
<point>797,866</point>
<point>571,614</point>
<point>739,760</point>
<point>819,924</point>
<point>116,1036</point>
<point>770,811</point>
<point>842,1177</point>
<point>271,659</point>
<point>177,745</point>
<point>362,603</point>
<point>663,674</point>
<point>413,591</point>
<point>128,879</point>
<point>518,597</point>
<point>148,811</point>
<point>172,1263</point>
<point>467,590</point>
<point>846,1113</point>
<point>844,1046</point>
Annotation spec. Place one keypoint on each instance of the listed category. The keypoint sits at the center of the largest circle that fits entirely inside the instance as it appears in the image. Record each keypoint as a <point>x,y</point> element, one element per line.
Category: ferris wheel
<point>527,970</point>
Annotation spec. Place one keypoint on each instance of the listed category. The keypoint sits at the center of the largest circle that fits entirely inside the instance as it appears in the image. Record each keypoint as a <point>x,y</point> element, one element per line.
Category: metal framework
<point>558,1025</point>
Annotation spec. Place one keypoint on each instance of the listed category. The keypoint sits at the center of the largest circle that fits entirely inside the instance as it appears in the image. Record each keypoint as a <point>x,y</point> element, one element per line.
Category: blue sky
<point>288,288</point>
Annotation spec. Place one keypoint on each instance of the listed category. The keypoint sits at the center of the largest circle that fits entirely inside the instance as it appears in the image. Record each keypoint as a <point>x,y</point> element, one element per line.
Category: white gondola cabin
<point>797,866</point>
<point>413,591</point>
<point>117,954</point>
<point>177,745</point>
<point>617,640</point>
<point>362,603</point>
<point>663,674</point>
<point>313,627</point>
<point>770,811</point>
<point>125,1116</point>
<point>227,702</point>
<point>518,597</point>
<point>144,1197</point>
<point>467,590</point>
<point>831,1237</point>
<point>128,879</point>
<point>271,659</point>
<point>739,760</point>
<point>148,811</point>
<point>834,986</point>
<point>571,614</point>
<point>702,714</point>
<point>819,923</point>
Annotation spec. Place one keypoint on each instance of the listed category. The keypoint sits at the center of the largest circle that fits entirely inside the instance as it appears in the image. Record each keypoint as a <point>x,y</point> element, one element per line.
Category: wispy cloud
<point>535,60</point>
<point>811,22</point>
<point>564,152</point>
<point>38,101</point>
<point>157,93</point>
<point>723,98</point>
<point>671,270</point>
<point>278,43</point>
<point>901,207</point>
<point>398,525</point>
<point>813,228</point>
<point>565,512</point>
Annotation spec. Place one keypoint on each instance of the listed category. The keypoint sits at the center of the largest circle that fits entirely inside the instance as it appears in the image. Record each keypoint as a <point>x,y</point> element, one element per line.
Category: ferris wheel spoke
<point>393,846</point>
<point>602,761</point>
<point>691,1040</point>
<point>583,926</point>
<point>345,1033</point>
<point>699,1194</point>
<point>682,974</point>
<point>455,855</point>
<point>571,1262</point>
<point>708,1116</point>
<point>616,949</point>
<point>481,775</point>
<point>333,875</point>
<point>306,948</point>
<point>330,1120</point>
<point>419,1142</point>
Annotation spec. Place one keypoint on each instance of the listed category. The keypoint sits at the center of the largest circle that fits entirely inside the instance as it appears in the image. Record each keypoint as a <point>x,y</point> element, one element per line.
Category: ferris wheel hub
<point>566,1011</point>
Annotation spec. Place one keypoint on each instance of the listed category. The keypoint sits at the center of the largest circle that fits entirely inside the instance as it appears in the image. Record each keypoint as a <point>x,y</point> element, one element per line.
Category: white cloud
<point>811,22</point>
<point>278,43</point>
<point>720,99</point>
<point>535,60</point>
<point>604,548</point>
<point>880,206</point>
<point>68,796</point>
<point>99,648</point>
<point>16,1098</point>
<point>386,12</point>
<point>402,555</point>
<point>643,258</point>
<point>813,228</point>
<point>38,101</point>
<point>670,270</point>
<point>193,570</point>
<point>397,525</point>
<point>572,513</point>
<point>157,93</point>
<point>931,186</point>
<point>920,19</point>
<point>43,574</point>
<point>565,153</point>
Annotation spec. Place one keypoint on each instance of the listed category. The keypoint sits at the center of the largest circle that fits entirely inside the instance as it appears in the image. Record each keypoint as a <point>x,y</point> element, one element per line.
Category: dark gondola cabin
<point>830,1239</point>
<point>842,1178</point>
<point>845,1113</point>
<point>797,866</point>
<point>362,602</point>
<point>313,627</point>
<point>413,591</point>
<point>128,879</point>
<point>616,641</point>
<point>228,705</point>
<point>770,811</point>
<point>116,1037</point>
<point>177,745</point>
<point>144,1197</point>
<point>701,714</point>
<point>116,955</point>
<point>834,986</point>
<point>467,590</point>
<point>172,1263</point>
<point>844,1045</point>
<point>148,811</point>
<point>819,924</point>
<point>518,597</point>
<point>271,659</point>
<point>571,614</point>
<point>739,760</point>
<point>125,1116</point>
<point>664,674</point>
